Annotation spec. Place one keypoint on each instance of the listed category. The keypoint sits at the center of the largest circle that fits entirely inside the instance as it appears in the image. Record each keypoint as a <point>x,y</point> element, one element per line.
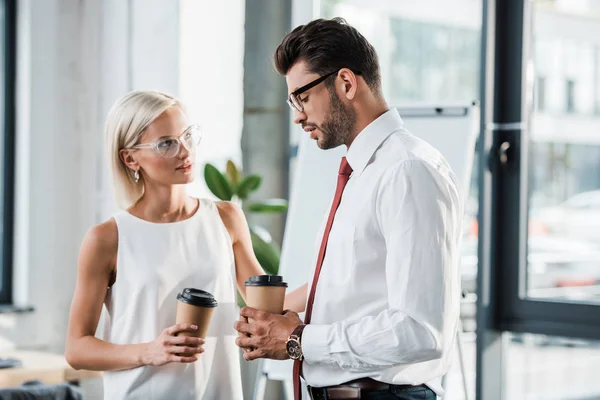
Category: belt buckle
<point>343,392</point>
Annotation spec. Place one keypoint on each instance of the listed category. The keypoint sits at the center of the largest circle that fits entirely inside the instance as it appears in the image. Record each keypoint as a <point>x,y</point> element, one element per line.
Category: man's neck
<point>365,115</point>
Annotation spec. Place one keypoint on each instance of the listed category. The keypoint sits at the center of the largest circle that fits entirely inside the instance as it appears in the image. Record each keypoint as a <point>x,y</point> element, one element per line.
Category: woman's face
<point>172,133</point>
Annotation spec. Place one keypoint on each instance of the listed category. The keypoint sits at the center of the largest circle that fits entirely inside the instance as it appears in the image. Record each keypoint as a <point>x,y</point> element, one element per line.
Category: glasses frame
<point>295,102</point>
<point>178,140</point>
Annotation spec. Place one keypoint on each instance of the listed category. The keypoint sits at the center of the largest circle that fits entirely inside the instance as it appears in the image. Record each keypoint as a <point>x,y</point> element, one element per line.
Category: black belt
<point>352,390</point>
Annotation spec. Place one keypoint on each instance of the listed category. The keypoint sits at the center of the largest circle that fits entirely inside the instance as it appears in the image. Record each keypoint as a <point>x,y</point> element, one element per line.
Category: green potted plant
<point>231,185</point>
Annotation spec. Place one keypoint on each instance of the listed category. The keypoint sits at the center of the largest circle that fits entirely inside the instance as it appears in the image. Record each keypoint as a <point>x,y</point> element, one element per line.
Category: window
<point>7,144</point>
<point>428,52</point>
<point>551,367</point>
<point>545,255</point>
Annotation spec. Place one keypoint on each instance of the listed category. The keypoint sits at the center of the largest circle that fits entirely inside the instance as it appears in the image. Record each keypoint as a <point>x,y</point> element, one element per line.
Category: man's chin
<point>323,145</point>
<point>320,143</point>
<point>326,145</point>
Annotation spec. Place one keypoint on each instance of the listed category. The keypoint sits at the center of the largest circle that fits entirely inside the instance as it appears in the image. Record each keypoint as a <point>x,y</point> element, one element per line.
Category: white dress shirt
<point>388,297</point>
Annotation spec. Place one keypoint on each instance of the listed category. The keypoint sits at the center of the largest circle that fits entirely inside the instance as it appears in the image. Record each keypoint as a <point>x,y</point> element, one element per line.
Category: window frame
<point>9,149</point>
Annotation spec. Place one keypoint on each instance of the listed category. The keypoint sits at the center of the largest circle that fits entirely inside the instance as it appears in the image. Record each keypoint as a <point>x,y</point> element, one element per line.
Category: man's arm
<point>419,214</point>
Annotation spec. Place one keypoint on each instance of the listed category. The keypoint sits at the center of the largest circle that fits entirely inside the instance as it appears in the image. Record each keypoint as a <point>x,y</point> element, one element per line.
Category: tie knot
<point>345,168</point>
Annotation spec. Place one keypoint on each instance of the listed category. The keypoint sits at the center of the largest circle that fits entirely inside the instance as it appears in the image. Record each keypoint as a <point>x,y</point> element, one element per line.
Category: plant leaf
<point>266,252</point>
<point>233,173</point>
<point>240,300</point>
<point>248,184</point>
<point>269,206</point>
<point>217,183</point>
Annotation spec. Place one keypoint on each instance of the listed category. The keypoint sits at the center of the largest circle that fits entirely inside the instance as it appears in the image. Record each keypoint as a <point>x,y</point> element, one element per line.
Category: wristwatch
<point>293,346</point>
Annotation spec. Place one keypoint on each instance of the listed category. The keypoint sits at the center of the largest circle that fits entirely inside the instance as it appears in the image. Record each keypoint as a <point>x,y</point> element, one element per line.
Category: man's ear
<point>128,159</point>
<point>349,83</point>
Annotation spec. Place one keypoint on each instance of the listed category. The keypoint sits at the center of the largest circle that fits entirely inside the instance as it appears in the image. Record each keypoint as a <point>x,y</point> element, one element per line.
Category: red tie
<point>343,176</point>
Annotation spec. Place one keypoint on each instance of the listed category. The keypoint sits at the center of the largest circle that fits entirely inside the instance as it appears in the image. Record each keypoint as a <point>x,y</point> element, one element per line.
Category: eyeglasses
<point>169,147</point>
<point>294,100</point>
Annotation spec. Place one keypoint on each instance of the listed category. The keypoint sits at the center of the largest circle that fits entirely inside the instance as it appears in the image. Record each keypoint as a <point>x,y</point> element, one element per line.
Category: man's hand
<point>266,333</point>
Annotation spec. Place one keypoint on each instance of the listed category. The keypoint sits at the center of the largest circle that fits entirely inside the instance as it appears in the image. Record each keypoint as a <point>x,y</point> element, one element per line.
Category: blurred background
<point>534,333</point>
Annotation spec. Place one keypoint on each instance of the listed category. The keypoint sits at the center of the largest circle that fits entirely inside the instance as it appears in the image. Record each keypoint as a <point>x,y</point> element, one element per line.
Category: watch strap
<point>298,331</point>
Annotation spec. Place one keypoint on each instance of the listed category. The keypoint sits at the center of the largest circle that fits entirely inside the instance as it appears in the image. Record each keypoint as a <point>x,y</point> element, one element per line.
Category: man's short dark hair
<point>328,45</point>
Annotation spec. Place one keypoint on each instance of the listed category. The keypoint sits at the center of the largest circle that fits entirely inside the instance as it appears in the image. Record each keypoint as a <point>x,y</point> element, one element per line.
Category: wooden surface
<point>46,367</point>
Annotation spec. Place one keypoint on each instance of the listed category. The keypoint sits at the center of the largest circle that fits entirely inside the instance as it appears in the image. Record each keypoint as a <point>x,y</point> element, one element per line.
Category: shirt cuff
<point>315,346</point>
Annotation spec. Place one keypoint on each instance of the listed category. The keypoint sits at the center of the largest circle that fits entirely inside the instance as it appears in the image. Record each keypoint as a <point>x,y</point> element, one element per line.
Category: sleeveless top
<point>155,261</point>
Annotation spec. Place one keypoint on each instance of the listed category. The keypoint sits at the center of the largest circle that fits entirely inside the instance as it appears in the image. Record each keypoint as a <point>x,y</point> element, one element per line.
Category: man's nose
<point>299,117</point>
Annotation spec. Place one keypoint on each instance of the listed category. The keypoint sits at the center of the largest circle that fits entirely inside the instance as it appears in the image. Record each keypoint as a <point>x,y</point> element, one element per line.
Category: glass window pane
<point>552,368</point>
<point>428,50</point>
<point>564,175</point>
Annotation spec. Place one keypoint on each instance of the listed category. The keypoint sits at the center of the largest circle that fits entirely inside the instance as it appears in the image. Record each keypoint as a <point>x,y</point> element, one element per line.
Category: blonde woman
<point>136,262</point>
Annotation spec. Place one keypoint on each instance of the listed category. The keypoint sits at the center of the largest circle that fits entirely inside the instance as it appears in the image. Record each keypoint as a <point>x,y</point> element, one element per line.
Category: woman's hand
<point>168,347</point>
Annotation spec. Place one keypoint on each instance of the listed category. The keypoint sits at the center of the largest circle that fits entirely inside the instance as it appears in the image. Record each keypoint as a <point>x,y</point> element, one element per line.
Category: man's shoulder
<point>404,154</point>
<point>404,148</point>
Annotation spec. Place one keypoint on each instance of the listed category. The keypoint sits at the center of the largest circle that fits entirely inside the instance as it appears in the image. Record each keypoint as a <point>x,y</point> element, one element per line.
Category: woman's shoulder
<point>230,211</point>
<point>103,237</point>
<point>232,216</point>
<point>228,207</point>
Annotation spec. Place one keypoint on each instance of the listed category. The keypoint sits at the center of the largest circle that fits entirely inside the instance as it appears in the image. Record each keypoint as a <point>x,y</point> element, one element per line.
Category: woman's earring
<point>136,176</point>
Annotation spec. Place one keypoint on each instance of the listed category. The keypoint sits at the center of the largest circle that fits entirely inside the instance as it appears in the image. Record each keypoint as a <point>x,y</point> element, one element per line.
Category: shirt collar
<point>369,139</point>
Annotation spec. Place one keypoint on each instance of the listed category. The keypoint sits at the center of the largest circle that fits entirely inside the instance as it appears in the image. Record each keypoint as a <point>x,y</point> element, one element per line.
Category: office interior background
<point>531,246</point>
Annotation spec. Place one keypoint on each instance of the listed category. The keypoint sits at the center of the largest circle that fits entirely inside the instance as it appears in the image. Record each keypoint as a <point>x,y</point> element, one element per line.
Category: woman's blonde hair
<point>126,122</point>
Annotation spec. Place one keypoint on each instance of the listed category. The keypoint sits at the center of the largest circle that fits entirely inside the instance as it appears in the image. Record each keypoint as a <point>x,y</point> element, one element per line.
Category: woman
<point>138,261</point>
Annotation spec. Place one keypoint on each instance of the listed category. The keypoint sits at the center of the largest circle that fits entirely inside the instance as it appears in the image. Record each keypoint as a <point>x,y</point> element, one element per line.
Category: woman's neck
<point>164,204</point>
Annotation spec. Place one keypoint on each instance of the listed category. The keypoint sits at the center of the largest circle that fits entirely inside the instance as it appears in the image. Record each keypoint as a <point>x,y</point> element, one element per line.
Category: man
<point>383,305</point>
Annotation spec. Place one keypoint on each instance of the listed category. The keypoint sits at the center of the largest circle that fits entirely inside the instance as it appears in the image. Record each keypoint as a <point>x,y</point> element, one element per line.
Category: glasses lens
<point>192,137</point>
<point>297,103</point>
<point>168,147</point>
<point>289,103</point>
<point>294,103</point>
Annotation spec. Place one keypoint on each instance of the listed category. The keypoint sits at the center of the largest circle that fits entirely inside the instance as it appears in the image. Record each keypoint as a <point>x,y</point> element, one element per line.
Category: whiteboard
<point>453,130</point>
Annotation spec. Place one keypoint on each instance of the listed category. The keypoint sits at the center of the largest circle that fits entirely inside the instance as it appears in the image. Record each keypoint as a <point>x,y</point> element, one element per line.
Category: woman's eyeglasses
<point>170,146</point>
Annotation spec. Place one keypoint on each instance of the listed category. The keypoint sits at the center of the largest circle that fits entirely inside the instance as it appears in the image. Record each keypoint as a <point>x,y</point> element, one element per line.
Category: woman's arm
<point>296,300</point>
<point>96,270</point>
<point>246,264</point>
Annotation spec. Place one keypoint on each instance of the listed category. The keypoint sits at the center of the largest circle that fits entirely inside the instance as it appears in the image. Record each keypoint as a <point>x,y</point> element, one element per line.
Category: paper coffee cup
<point>195,306</point>
<point>266,293</point>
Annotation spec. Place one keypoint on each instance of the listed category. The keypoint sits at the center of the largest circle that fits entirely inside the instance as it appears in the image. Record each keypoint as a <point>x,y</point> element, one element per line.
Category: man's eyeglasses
<point>169,147</point>
<point>294,100</point>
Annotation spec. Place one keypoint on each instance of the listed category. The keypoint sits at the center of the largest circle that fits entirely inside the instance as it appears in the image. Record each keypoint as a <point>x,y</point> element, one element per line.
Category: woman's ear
<point>127,156</point>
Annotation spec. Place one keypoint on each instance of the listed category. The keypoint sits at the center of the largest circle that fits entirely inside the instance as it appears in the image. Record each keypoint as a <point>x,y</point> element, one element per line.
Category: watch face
<point>293,349</point>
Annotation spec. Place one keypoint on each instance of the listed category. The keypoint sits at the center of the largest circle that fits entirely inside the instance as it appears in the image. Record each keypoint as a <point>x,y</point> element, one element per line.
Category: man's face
<point>325,116</point>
